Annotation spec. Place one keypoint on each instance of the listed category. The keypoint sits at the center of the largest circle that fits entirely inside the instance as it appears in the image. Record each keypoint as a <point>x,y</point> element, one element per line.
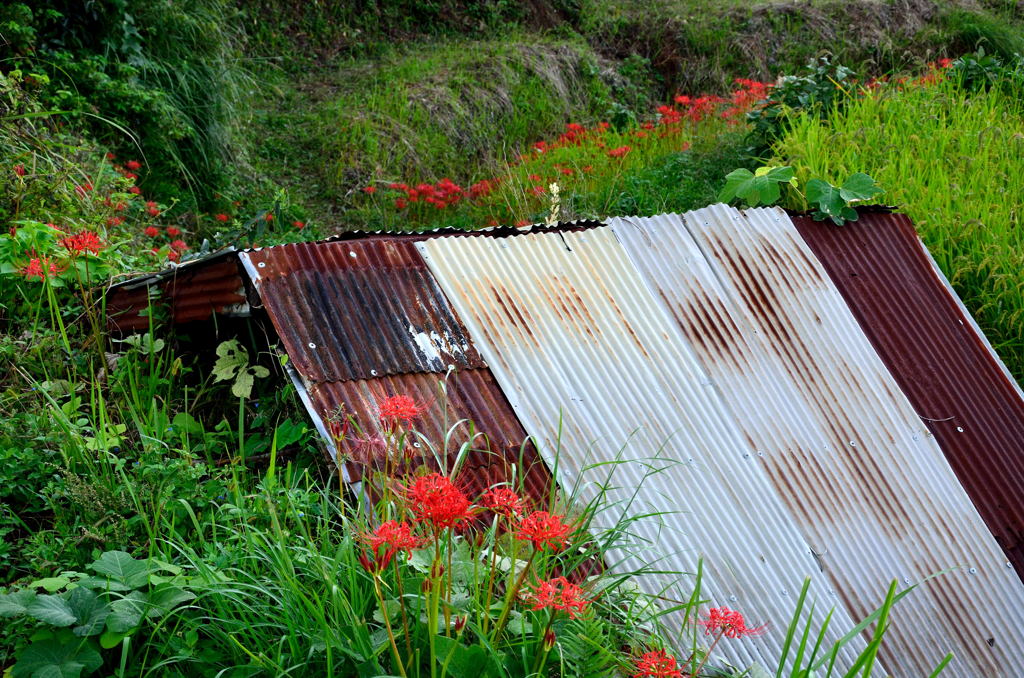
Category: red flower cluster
<point>86,241</point>
<point>151,231</point>
<point>656,664</point>
<point>544,529</point>
<point>619,152</point>
<point>40,268</point>
<point>221,217</point>
<point>19,170</point>
<point>384,542</point>
<point>503,501</point>
<point>729,623</point>
<point>559,594</point>
<point>434,499</point>
<point>399,409</point>
<point>444,193</point>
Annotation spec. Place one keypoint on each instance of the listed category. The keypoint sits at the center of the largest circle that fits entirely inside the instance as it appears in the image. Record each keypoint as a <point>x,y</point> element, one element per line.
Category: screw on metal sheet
<point>451,366</point>
<point>915,437</point>
<point>312,345</point>
<point>831,592</point>
<point>959,429</point>
<point>373,373</point>
<point>352,254</point>
<point>785,592</point>
<point>746,455</point>
<point>416,445</point>
<point>262,264</point>
<point>733,599</point>
<point>689,460</point>
<point>760,453</point>
<point>1009,564</point>
<point>906,580</point>
<point>853,443</point>
<point>973,570</point>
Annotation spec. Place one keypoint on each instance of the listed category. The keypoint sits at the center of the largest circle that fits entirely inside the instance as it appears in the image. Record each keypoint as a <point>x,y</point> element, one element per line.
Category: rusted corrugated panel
<point>467,396</point>
<point>595,367</point>
<point>869,487</point>
<point>956,383</point>
<point>763,320</point>
<point>355,310</point>
<point>190,293</point>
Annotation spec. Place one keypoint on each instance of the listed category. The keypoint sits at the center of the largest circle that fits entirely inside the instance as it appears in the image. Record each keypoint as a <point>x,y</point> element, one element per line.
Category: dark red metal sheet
<point>497,439</point>
<point>189,293</point>
<point>360,309</point>
<point>945,367</point>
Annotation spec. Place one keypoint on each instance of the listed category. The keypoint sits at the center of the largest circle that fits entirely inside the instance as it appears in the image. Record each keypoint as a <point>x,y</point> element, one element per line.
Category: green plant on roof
<point>761,187</point>
<point>835,202</point>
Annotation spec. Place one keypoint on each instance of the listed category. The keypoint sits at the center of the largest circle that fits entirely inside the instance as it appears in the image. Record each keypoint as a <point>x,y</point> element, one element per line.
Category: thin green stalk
<point>510,596</point>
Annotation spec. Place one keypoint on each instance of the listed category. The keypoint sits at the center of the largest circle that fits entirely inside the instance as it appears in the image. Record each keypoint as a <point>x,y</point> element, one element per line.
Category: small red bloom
<point>434,499</point>
<point>503,501</point>
<point>369,189</point>
<point>153,211</point>
<point>40,268</point>
<point>544,529</point>
<point>399,409</point>
<point>299,224</point>
<point>269,216</point>
<point>133,165</point>
<point>729,623</point>
<point>179,245</point>
<point>120,207</point>
<point>86,241</point>
<point>534,177</point>
<point>656,664</point>
<point>131,176</point>
<point>173,255</point>
<point>151,231</point>
<point>221,217</point>
<point>150,203</point>
<point>559,594</point>
<point>537,190</point>
<point>19,170</point>
<point>135,189</point>
<point>173,231</point>
<point>384,542</point>
<point>111,156</point>
<point>523,222</point>
<point>115,221</point>
<point>82,189</point>
<point>400,203</point>
<point>619,152</point>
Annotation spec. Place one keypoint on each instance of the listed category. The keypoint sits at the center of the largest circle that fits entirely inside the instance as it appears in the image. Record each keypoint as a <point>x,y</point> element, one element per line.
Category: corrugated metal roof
<point>955,381</point>
<point>351,310</point>
<point>867,485</point>
<point>571,328</point>
<point>364,320</point>
<point>191,292</point>
<point>468,396</point>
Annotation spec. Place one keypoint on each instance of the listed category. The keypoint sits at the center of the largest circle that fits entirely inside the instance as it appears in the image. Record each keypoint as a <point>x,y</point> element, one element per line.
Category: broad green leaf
<point>466,661</point>
<point>90,612</point>
<point>122,567</point>
<point>859,187</point>
<point>15,604</point>
<point>51,584</point>
<point>231,358</point>
<point>166,598</point>
<point>126,613</point>
<point>52,609</point>
<point>733,180</point>
<point>242,388</point>
<point>59,657</point>
<point>111,639</point>
<point>185,423</point>
<point>826,198</point>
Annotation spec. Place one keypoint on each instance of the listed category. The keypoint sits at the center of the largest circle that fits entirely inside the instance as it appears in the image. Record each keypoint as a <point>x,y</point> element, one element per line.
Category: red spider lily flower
<point>544,529</point>
<point>40,268</point>
<point>559,594</point>
<point>338,429</point>
<point>534,177</point>
<point>131,176</point>
<point>369,189</point>
<point>153,211</point>
<point>133,165</point>
<point>523,222</point>
<point>398,409</point>
<point>111,156</point>
<point>120,207</point>
<point>86,241</point>
<point>173,256</point>
<point>269,216</point>
<point>587,168</point>
<point>540,146</point>
<point>115,221</point>
<point>82,189</point>
<point>151,231</point>
<point>384,542</point>
<point>299,224</point>
<point>537,190</point>
<point>566,171</point>
<point>19,170</point>
<point>639,135</point>
<point>136,190</point>
<point>179,245</point>
<point>173,231</point>
<point>503,501</point>
<point>400,203</point>
<point>493,222</point>
<point>619,152</point>
<point>656,664</point>
<point>685,146</point>
<point>151,203</point>
<point>434,499</point>
<point>221,217</point>
<point>398,187</point>
<point>945,63</point>
<point>369,448</point>
<point>729,623</point>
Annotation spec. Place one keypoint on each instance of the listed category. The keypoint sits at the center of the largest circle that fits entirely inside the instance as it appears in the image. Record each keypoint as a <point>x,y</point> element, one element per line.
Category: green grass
<point>951,160</point>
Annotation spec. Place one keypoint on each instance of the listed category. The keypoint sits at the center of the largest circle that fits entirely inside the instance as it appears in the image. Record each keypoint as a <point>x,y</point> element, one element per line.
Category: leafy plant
<point>834,202</point>
<point>233,363</point>
<point>761,187</point>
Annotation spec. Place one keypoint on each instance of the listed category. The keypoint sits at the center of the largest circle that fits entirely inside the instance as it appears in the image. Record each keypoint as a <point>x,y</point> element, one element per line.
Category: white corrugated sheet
<point>868,486</point>
<point>569,326</point>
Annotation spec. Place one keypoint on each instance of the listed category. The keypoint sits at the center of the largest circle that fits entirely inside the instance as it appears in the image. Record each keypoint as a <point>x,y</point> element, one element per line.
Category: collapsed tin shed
<point>720,363</point>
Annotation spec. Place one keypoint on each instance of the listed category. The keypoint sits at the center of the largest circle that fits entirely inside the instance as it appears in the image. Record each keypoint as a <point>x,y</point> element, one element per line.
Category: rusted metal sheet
<point>189,293</point>
<point>604,379</point>
<point>360,309</point>
<point>858,470</point>
<point>500,452</point>
<point>958,386</point>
